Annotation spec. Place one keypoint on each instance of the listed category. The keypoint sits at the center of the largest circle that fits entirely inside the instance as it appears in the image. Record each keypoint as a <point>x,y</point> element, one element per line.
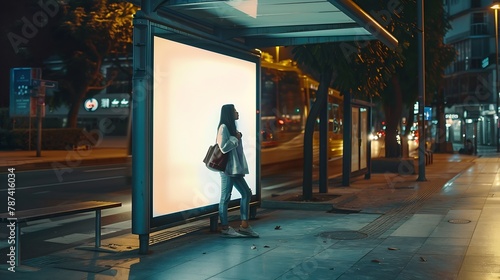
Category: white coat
<point>237,162</point>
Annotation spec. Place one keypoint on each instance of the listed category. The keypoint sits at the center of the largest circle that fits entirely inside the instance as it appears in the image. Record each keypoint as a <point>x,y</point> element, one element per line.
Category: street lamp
<point>496,6</point>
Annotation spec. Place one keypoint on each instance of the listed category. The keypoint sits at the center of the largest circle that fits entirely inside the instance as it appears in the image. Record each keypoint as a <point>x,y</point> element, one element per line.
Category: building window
<point>479,24</point>
<point>473,3</point>
<point>463,59</point>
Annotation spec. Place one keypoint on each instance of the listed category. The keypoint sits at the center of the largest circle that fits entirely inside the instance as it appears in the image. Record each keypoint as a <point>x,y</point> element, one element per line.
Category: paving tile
<point>430,266</point>
<point>419,225</point>
<point>260,268</point>
<point>471,275</point>
<point>342,254</point>
<point>488,264</point>
<point>318,269</point>
<point>483,250</point>
<point>443,250</point>
<point>453,230</point>
<point>394,245</point>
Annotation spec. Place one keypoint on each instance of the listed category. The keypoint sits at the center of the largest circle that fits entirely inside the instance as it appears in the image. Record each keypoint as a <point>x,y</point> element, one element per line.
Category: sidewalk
<point>388,227</point>
<point>111,149</point>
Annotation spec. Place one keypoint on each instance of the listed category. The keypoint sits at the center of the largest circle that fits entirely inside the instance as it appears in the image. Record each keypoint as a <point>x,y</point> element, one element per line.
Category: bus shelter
<point>190,58</point>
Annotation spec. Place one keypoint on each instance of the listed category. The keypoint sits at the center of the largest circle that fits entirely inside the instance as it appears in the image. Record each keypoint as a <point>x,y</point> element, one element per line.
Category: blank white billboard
<point>190,86</point>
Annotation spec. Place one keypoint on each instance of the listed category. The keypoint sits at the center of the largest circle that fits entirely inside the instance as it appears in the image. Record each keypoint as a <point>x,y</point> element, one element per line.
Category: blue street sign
<point>21,89</point>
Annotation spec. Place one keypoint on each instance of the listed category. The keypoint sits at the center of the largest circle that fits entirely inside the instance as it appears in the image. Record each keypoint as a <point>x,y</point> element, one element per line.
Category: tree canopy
<point>370,70</point>
<point>78,35</point>
<point>91,33</point>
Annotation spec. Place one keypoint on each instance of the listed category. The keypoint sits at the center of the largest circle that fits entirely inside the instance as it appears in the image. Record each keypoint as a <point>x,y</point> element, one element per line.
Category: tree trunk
<point>409,115</point>
<point>74,110</point>
<point>440,140</point>
<point>393,108</point>
<point>321,98</point>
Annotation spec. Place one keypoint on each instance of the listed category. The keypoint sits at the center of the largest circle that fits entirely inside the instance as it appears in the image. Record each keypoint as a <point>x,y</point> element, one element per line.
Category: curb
<point>64,164</point>
<point>334,205</point>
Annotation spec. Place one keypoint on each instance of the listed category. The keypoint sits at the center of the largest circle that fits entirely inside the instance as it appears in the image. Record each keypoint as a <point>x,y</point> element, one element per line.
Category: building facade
<point>471,94</point>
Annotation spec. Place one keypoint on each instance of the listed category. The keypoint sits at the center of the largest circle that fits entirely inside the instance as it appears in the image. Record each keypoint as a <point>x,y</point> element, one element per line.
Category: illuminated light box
<point>190,86</point>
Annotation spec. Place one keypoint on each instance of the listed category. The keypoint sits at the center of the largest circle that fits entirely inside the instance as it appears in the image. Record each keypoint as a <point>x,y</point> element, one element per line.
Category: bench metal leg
<point>98,228</point>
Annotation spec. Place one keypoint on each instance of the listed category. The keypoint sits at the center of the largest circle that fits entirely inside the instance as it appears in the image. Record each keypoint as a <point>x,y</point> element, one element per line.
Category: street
<point>43,188</point>
<point>50,187</point>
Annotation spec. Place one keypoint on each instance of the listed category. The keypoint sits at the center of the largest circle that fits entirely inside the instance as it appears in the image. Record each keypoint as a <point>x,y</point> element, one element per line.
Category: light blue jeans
<point>227,183</point>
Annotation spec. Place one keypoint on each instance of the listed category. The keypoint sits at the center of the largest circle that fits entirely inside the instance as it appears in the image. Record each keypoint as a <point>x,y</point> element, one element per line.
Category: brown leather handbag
<point>215,160</point>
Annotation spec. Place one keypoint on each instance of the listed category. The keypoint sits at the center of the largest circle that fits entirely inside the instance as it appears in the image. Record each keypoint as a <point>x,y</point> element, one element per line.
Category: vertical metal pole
<point>39,114</point>
<point>474,149</point>
<point>39,130</point>
<point>97,228</point>
<point>421,91</point>
<point>497,82</point>
<point>29,128</point>
<point>323,148</point>
<point>141,124</point>
<point>369,142</point>
<point>347,137</point>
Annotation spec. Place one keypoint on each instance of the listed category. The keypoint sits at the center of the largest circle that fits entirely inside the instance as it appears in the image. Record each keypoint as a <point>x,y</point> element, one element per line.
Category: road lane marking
<point>42,192</point>
<point>65,183</point>
<point>104,169</point>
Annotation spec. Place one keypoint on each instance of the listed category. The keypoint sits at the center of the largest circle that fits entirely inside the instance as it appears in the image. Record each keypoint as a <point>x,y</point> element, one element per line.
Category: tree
<point>371,69</point>
<point>345,70</point>
<point>321,58</point>
<point>401,91</point>
<point>91,33</point>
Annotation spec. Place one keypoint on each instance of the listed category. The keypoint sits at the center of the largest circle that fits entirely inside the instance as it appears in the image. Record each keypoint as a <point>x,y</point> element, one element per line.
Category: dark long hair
<point>227,118</point>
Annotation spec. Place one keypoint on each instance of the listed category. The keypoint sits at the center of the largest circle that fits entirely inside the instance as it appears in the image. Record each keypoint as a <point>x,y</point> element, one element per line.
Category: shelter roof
<point>266,23</point>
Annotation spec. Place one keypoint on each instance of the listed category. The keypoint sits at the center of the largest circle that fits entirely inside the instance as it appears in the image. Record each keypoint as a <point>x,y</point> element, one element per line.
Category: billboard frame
<point>143,222</point>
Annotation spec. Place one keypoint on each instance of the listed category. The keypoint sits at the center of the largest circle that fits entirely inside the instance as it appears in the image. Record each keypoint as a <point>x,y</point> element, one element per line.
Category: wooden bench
<point>56,211</point>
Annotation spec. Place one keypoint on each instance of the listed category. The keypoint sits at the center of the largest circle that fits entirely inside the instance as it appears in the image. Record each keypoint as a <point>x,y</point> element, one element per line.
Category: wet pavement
<point>388,227</point>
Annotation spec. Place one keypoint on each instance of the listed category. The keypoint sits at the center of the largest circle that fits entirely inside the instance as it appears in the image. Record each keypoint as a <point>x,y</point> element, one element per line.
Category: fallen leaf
<point>423,259</point>
<point>277,227</point>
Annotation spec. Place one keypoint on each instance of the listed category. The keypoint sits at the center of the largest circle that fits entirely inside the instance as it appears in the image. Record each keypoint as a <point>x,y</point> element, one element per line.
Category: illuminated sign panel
<point>21,90</point>
<point>190,86</point>
<point>106,102</point>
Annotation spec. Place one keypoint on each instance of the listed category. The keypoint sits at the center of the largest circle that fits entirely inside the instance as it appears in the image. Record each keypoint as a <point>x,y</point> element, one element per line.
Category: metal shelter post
<point>141,132</point>
<point>323,147</point>
<point>421,91</point>
<point>369,145</point>
<point>347,137</point>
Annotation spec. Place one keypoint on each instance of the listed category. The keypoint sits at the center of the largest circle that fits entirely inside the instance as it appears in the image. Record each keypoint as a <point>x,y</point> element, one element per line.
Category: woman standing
<point>229,141</point>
